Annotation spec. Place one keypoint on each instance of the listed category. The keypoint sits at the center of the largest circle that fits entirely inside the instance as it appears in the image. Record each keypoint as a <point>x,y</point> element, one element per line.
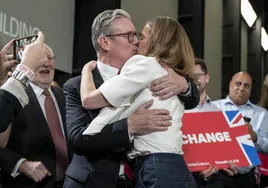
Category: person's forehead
<point>49,51</point>
<point>244,78</point>
<point>197,69</point>
<point>123,25</point>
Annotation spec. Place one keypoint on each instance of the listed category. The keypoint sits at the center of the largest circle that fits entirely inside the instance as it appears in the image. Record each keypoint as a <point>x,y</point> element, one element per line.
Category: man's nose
<point>136,41</point>
<point>47,63</point>
<point>242,87</point>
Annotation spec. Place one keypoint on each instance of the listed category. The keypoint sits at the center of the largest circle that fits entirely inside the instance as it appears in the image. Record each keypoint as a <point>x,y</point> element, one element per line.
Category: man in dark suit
<point>97,159</point>
<point>36,153</point>
<point>12,93</point>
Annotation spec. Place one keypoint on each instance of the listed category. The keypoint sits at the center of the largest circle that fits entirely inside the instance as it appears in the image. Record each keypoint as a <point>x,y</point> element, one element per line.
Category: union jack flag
<point>235,119</point>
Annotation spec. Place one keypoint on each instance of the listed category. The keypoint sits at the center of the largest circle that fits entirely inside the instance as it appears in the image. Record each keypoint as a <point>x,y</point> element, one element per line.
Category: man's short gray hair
<point>102,24</point>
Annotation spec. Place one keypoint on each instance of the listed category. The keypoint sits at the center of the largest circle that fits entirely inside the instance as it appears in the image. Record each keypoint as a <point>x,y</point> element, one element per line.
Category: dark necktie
<point>57,136</point>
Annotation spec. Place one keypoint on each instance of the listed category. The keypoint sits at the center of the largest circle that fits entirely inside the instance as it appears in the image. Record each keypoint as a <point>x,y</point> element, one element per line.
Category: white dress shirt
<point>259,122</point>
<point>208,106</point>
<point>128,91</point>
<point>106,71</point>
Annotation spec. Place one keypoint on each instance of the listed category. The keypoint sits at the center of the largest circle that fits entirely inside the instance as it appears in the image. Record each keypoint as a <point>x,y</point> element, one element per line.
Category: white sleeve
<point>136,74</point>
<point>16,88</point>
<point>15,172</point>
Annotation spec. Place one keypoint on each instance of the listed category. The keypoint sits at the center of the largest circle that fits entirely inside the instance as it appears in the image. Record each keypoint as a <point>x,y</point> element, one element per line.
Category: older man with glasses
<point>98,159</point>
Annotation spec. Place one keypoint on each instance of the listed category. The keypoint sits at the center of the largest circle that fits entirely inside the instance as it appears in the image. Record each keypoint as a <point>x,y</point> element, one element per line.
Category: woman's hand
<point>89,67</point>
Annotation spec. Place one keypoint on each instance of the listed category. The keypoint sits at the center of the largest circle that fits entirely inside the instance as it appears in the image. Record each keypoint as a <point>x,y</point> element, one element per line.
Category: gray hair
<point>102,24</point>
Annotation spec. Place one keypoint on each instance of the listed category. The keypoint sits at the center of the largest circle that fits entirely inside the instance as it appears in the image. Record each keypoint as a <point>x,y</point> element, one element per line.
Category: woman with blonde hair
<point>159,156</point>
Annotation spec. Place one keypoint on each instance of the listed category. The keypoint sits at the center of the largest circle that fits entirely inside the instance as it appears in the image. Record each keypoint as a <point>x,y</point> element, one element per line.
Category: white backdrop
<point>54,17</point>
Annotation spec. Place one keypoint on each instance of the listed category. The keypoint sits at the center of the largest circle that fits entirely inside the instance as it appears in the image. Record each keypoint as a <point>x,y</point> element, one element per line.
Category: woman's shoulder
<point>142,58</point>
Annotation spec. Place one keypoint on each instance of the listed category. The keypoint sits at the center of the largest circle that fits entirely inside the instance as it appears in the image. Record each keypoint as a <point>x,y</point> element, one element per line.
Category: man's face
<point>45,74</point>
<point>202,78</point>
<point>120,49</point>
<point>240,88</point>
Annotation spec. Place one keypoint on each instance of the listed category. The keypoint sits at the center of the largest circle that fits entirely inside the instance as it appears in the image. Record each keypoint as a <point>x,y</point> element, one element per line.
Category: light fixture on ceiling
<point>264,39</point>
<point>248,13</point>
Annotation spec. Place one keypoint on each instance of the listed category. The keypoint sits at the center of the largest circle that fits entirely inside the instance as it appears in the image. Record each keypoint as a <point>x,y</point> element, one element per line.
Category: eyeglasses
<point>198,75</point>
<point>129,35</point>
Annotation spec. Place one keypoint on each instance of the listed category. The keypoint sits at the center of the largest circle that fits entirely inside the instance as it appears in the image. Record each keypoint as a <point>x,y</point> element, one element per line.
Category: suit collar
<point>229,101</point>
<point>98,80</point>
<point>38,90</point>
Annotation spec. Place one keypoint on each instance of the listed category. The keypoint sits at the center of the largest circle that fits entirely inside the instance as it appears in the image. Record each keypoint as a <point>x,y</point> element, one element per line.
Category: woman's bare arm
<point>91,97</point>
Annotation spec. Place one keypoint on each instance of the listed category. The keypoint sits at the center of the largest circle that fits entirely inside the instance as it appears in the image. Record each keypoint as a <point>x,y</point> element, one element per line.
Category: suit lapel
<point>97,77</point>
<point>37,113</point>
<point>98,81</point>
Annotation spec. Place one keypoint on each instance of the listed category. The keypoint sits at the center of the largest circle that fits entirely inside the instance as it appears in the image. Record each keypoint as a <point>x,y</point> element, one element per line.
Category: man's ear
<point>104,43</point>
<point>207,78</point>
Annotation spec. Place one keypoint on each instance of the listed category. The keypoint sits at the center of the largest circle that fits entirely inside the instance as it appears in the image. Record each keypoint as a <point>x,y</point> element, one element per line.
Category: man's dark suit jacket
<point>30,138</point>
<point>96,159</point>
<point>9,108</point>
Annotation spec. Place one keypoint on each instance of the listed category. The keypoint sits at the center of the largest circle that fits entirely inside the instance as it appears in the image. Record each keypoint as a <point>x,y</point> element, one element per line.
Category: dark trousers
<point>246,180</point>
<point>264,181</point>
<point>215,181</point>
<point>163,170</point>
<point>124,183</point>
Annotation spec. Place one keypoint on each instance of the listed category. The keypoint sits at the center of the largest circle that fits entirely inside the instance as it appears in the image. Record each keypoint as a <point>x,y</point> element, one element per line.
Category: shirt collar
<point>229,101</point>
<point>106,71</point>
<point>207,99</point>
<point>38,90</point>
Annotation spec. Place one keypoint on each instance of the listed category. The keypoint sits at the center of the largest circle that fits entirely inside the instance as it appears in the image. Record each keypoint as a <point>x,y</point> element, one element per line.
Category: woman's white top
<point>127,92</point>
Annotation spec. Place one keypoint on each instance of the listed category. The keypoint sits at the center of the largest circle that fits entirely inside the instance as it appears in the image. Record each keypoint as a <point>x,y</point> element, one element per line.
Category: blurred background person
<point>263,102</point>
<point>211,177</point>
<point>238,99</point>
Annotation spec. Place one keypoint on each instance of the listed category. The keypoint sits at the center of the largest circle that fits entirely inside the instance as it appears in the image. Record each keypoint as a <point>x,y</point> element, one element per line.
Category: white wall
<point>213,45</point>
<point>54,17</point>
<point>142,11</point>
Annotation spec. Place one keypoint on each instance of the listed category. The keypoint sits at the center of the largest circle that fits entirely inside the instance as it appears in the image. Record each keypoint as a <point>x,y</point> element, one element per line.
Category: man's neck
<point>203,97</point>
<point>104,59</point>
<point>108,61</point>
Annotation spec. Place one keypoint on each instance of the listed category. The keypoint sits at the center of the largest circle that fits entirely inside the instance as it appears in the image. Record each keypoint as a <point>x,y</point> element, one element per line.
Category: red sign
<point>264,164</point>
<point>215,138</point>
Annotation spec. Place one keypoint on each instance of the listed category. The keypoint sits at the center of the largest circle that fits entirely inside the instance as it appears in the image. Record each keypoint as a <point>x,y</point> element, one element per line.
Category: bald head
<point>240,88</point>
<point>242,74</point>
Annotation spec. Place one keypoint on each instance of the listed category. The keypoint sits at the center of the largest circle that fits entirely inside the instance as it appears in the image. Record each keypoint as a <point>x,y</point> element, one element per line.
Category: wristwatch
<point>22,77</point>
<point>189,92</point>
